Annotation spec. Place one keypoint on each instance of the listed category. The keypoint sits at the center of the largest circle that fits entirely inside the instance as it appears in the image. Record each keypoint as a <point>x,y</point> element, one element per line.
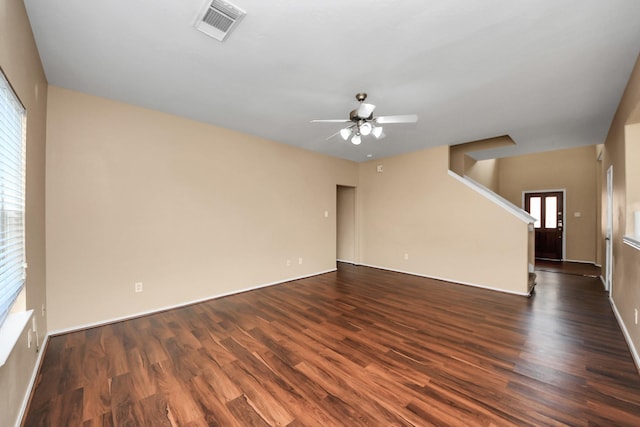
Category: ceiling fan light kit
<point>364,124</point>
<point>365,128</point>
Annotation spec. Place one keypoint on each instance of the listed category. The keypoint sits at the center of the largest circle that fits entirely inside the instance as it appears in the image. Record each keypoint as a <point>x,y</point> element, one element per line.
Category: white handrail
<point>494,197</point>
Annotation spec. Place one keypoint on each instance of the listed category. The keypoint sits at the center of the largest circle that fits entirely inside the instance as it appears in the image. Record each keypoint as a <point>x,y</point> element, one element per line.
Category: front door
<point>547,208</point>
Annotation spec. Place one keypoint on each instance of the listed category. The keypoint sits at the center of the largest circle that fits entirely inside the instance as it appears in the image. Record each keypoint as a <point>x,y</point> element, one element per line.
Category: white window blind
<point>12,168</point>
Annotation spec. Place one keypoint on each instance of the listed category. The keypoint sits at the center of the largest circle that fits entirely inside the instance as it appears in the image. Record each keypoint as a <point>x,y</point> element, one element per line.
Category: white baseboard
<point>627,337</point>
<point>171,307</point>
<point>455,282</point>
<point>32,381</point>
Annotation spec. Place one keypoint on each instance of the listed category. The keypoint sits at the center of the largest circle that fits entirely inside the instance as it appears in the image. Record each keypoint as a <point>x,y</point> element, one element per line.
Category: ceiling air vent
<point>219,18</point>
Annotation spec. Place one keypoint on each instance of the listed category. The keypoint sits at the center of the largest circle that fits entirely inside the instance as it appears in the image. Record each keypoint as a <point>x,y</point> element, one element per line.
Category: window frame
<point>12,198</point>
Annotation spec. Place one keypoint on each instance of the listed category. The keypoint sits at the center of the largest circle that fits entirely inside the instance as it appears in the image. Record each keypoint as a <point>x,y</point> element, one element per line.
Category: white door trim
<point>608,282</point>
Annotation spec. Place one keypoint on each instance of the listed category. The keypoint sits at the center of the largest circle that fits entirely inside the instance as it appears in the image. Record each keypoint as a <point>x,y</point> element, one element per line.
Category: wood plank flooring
<point>567,267</point>
<point>356,347</point>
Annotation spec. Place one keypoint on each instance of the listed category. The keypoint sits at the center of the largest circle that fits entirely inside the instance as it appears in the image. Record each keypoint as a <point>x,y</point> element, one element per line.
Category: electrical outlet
<point>406,256</point>
<point>138,287</point>
<point>635,310</point>
<point>300,260</point>
<point>44,310</point>
<point>288,263</point>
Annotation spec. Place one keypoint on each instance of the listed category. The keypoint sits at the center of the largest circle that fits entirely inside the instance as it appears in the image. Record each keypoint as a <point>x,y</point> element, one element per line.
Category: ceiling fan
<point>363,123</point>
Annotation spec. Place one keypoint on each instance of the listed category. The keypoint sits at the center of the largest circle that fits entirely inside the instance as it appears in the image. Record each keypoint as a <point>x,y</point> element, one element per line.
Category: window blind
<point>12,189</point>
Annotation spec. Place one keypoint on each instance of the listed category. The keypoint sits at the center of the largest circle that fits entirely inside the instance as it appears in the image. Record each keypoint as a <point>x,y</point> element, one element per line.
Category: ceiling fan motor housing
<point>354,117</point>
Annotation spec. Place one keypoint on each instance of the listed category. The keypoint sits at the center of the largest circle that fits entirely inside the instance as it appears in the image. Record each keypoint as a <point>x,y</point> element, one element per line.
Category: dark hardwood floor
<point>356,347</point>
<point>567,267</point>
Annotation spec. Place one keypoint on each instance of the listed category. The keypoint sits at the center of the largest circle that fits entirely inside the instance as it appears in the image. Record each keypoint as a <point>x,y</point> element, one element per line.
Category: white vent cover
<point>218,18</point>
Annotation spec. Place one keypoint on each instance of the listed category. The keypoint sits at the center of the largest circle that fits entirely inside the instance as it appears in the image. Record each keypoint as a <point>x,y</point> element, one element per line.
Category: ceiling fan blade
<point>407,118</point>
<point>365,110</point>
<point>331,121</point>
<point>332,135</point>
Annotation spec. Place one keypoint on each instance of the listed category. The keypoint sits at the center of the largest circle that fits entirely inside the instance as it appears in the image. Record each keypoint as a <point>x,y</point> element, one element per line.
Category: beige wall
<point>190,210</point>
<point>626,260</point>
<point>21,64</point>
<point>460,162</point>
<point>573,170</point>
<point>346,224</point>
<point>447,230</point>
<point>485,172</point>
<point>194,211</point>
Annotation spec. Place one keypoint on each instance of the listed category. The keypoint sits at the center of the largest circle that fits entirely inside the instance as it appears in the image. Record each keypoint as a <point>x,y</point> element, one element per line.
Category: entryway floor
<point>567,267</point>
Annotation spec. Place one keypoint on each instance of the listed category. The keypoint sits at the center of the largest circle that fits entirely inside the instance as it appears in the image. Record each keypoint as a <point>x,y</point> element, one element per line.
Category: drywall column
<point>417,218</point>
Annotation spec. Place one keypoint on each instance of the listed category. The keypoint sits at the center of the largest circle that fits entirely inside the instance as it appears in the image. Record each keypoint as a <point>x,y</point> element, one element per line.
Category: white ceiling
<point>549,73</point>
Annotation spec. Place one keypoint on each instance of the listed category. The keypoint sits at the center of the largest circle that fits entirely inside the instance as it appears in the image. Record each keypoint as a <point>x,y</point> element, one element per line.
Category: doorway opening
<point>346,224</point>
<point>548,209</point>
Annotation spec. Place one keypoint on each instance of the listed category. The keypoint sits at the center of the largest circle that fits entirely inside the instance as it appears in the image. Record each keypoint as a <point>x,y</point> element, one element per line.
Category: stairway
<point>532,283</point>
